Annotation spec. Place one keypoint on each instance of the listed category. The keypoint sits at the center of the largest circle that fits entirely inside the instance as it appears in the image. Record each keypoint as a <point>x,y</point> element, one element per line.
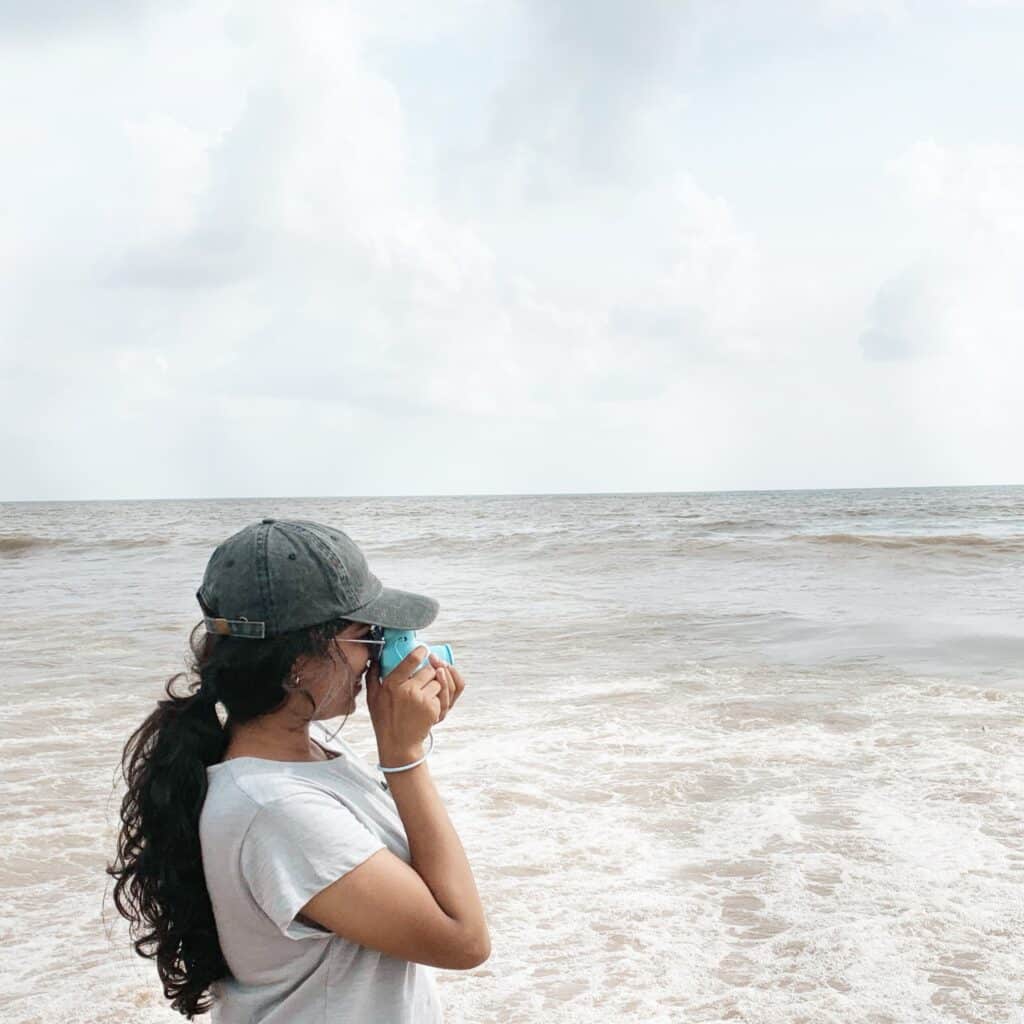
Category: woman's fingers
<point>422,679</point>
<point>458,683</point>
<point>444,687</point>
<point>447,694</point>
<point>434,692</point>
<point>450,683</point>
<point>406,668</point>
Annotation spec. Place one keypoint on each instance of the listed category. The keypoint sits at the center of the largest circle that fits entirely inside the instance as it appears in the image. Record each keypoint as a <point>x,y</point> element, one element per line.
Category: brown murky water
<point>711,765</point>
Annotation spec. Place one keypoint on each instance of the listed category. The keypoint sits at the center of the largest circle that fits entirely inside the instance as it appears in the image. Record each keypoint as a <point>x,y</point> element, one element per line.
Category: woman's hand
<point>407,702</point>
<point>403,705</point>
<point>452,684</point>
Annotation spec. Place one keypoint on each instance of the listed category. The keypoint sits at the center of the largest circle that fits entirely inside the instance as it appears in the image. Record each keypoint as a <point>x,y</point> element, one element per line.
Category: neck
<point>282,736</point>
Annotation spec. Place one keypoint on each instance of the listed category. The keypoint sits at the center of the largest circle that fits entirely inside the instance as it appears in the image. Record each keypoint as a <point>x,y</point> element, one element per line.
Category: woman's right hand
<point>403,706</point>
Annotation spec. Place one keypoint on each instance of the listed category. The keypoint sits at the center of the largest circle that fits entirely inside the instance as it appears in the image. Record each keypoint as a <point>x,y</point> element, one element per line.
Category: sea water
<point>747,756</point>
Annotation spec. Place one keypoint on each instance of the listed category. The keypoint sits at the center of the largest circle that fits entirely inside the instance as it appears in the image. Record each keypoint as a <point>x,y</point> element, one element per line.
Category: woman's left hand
<point>452,684</point>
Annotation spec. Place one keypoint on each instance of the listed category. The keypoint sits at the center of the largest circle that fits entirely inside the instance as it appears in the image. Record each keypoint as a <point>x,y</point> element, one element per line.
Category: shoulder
<point>263,784</point>
<point>305,824</point>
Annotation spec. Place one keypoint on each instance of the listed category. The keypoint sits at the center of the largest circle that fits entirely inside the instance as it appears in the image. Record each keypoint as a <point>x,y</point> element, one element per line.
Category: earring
<point>293,684</point>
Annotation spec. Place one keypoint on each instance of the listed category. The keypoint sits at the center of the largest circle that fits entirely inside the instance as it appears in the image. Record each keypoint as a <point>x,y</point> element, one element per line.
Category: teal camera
<point>400,643</point>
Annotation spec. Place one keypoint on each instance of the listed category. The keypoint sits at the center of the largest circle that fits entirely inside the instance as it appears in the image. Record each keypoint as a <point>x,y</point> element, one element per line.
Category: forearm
<point>435,849</point>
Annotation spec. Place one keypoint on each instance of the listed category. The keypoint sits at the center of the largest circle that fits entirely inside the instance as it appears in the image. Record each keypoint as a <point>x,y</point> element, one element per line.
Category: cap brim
<point>398,609</point>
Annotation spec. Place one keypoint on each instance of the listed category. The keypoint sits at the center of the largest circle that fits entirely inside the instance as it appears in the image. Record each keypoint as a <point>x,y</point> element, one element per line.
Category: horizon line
<point>511,494</point>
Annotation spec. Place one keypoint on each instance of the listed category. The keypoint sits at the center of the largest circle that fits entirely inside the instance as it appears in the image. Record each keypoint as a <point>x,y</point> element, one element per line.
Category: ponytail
<point>160,886</point>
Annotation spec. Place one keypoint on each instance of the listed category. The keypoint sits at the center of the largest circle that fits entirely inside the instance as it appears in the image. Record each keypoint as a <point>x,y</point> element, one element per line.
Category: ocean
<point>745,756</point>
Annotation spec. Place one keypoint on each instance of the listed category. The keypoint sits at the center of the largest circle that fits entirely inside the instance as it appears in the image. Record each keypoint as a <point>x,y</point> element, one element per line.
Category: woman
<point>272,875</point>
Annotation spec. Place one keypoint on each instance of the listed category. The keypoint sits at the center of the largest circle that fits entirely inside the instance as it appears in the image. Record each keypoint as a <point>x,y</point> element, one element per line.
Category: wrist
<point>395,757</point>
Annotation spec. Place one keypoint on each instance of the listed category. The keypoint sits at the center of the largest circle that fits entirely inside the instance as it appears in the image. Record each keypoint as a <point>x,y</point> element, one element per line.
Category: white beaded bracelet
<point>406,767</point>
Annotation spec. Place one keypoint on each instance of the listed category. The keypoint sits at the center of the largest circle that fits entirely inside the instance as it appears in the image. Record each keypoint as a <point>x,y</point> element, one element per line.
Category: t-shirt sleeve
<point>295,848</point>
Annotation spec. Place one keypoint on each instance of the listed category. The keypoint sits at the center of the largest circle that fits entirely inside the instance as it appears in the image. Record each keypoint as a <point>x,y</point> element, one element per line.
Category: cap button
<point>270,520</point>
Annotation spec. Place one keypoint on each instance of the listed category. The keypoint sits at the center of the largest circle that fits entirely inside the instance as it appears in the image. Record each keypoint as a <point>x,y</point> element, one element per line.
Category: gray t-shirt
<point>273,835</point>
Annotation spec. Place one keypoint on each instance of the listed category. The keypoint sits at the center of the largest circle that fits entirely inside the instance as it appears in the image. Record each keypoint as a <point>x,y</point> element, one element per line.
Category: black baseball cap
<point>278,575</point>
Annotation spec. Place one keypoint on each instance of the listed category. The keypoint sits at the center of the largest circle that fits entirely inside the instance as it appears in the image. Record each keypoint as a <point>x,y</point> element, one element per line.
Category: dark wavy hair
<point>160,886</point>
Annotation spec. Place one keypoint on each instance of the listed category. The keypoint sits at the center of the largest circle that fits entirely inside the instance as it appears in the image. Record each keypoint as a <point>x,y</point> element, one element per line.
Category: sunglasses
<point>375,638</point>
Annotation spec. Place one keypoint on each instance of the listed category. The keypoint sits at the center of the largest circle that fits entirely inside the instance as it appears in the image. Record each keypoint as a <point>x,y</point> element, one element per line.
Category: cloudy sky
<point>478,246</point>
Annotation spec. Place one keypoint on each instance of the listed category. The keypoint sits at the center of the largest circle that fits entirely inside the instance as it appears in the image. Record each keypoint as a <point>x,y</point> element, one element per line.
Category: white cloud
<point>962,305</point>
<point>966,206</point>
<point>905,319</point>
<point>574,115</point>
<point>270,252</point>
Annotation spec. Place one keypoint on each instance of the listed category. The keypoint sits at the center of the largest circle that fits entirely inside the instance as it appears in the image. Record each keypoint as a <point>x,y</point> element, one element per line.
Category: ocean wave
<point>697,541</point>
<point>736,524</point>
<point>723,538</point>
<point>129,542</point>
<point>24,543</point>
<point>954,543</point>
<point>16,543</point>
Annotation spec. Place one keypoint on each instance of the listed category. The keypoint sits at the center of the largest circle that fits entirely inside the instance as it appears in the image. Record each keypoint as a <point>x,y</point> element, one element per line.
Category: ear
<point>294,687</point>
